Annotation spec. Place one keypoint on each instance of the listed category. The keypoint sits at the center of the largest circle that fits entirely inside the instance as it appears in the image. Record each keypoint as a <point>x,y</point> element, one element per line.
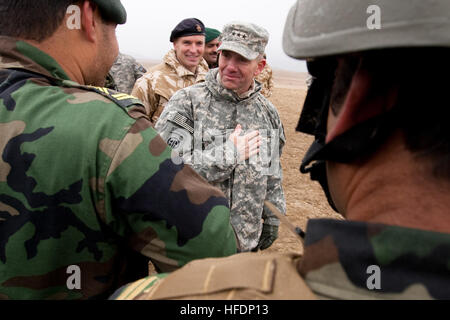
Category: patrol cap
<point>112,10</point>
<point>246,39</point>
<point>321,27</point>
<point>188,27</point>
<point>211,34</point>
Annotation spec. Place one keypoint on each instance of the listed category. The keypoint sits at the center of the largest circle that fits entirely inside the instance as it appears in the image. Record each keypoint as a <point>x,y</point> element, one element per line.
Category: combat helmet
<point>318,30</point>
<point>321,27</point>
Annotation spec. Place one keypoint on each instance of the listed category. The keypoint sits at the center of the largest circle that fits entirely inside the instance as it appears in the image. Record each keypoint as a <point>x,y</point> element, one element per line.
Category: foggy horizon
<point>146,34</point>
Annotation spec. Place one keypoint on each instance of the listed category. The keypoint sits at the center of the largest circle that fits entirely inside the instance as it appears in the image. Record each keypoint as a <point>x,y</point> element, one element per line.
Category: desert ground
<point>304,198</point>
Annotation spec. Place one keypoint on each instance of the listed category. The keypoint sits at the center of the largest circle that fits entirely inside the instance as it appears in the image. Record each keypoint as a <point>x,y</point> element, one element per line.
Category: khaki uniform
<point>159,84</point>
<point>266,80</point>
<point>245,276</point>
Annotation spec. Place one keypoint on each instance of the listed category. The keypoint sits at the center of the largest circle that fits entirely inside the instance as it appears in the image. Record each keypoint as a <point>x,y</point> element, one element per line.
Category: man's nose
<point>231,65</point>
<point>193,48</point>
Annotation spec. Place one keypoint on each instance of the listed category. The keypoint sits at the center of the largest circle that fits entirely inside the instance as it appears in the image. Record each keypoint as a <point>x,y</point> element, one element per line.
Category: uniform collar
<point>338,255</point>
<point>171,60</point>
<point>215,84</point>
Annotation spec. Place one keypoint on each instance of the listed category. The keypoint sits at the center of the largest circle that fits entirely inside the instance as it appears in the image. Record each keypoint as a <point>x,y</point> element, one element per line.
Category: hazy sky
<point>147,31</point>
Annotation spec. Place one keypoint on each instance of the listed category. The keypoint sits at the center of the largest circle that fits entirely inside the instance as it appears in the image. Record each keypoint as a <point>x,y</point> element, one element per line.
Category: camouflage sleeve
<point>270,83</point>
<point>275,193</point>
<point>144,92</point>
<point>139,70</point>
<point>177,128</point>
<point>165,210</point>
<point>160,106</point>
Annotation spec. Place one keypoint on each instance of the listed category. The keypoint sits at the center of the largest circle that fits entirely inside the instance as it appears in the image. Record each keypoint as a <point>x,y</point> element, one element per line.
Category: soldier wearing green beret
<point>89,193</point>
<point>212,44</point>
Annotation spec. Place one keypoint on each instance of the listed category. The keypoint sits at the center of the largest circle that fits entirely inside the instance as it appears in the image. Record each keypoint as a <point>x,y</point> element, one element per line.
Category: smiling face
<point>189,51</point>
<point>236,72</point>
<point>211,53</point>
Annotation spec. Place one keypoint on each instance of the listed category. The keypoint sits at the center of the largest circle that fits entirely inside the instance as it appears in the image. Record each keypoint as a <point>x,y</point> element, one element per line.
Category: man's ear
<point>365,99</point>
<point>261,65</point>
<point>88,21</point>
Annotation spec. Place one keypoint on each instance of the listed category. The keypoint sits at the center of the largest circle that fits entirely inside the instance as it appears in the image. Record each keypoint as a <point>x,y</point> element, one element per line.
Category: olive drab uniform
<point>198,121</point>
<point>86,181</point>
<point>341,260</point>
<point>160,83</point>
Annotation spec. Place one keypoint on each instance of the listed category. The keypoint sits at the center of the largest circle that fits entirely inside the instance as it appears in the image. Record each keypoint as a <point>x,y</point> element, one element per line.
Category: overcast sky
<point>147,31</point>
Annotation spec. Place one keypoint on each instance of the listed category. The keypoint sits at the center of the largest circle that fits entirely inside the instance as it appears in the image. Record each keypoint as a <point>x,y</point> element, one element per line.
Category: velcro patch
<point>183,122</point>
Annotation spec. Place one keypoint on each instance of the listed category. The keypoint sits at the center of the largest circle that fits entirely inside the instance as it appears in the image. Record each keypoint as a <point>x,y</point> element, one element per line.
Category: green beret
<point>112,10</point>
<point>211,34</point>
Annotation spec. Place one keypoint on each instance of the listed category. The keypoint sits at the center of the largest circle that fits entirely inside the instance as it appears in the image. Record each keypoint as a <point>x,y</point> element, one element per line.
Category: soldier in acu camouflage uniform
<point>85,181</point>
<point>182,67</point>
<point>229,98</point>
<point>382,154</point>
<point>266,80</point>
<point>124,73</point>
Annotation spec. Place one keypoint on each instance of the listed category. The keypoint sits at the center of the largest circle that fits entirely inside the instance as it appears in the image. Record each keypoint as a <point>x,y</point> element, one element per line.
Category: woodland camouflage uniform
<point>86,181</point>
<point>160,83</point>
<point>413,264</point>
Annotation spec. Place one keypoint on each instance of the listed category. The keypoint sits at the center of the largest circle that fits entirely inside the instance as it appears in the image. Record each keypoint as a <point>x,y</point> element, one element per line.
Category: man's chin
<point>229,85</point>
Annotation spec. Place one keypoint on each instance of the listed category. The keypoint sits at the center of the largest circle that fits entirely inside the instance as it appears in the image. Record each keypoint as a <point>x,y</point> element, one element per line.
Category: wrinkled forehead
<point>232,54</point>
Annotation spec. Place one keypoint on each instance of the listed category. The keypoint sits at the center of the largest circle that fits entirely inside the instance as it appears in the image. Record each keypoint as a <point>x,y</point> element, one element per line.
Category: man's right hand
<point>246,145</point>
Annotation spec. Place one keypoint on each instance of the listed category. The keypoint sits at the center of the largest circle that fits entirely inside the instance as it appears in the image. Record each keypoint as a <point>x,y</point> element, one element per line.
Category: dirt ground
<point>304,198</point>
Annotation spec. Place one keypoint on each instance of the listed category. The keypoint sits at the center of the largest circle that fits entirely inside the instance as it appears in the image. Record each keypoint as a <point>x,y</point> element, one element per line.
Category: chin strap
<point>318,170</point>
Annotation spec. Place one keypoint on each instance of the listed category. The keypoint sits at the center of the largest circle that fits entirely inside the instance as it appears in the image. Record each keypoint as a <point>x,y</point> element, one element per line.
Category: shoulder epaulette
<point>122,99</point>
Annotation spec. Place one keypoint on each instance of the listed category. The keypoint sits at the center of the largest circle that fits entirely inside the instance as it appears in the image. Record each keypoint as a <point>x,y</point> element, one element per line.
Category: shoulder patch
<point>182,121</point>
<point>122,99</point>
